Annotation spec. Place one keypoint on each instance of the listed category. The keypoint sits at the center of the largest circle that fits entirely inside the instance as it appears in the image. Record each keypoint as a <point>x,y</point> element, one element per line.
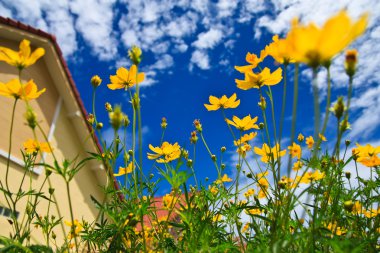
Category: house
<point>62,116</point>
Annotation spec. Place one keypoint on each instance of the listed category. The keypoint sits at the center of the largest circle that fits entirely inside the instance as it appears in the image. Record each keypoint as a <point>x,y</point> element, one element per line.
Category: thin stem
<point>71,215</point>
<point>10,143</point>
<point>316,103</point>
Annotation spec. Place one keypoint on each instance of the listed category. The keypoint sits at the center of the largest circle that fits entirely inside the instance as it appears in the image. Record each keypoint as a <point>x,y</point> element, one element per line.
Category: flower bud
<point>135,101</point>
<point>125,120</point>
<point>130,152</point>
<point>108,107</point>
<point>31,117</point>
<point>189,163</point>
<point>90,118</point>
<point>344,125</point>
<point>116,117</point>
<point>300,138</point>
<point>249,175</point>
<point>164,123</point>
<point>135,54</point>
<point>48,172</point>
<point>348,205</point>
<point>206,179</point>
<point>261,125</point>
<point>51,191</point>
<point>351,62</point>
<point>99,125</point>
<point>194,137</point>
<point>238,166</point>
<point>213,157</point>
<point>347,174</point>
<point>339,108</point>
<point>347,142</point>
<point>96,81</point>
<point>198,125</point>
<point>222,166</point>
<point>223,149</point>
<point>262,104</point>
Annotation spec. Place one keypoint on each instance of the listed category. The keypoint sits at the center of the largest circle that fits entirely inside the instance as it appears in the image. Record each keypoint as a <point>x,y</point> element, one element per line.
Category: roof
<point>52,39</point>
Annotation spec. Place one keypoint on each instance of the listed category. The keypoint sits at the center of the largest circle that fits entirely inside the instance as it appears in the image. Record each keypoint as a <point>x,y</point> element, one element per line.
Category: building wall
<point>57,123</point>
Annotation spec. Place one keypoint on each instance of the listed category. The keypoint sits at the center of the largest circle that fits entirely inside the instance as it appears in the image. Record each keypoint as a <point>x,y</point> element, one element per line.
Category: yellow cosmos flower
<point>217,217</point>
<point>253,61</point>
<point>367,155</point>
<point>280,51</point>
<point>223,102</point>
<point>33,146</point>
<point>125,79</point>
<point>245,138</point>
<point>123,171</point>
<point>23,58</point>
<point>310,142</point>
<point>311,176</point>
<point>166,153</point>
<point>333,227</point>
<point>295,150</point>
<point>297,166</point>
<point>300,138</point>
<point>253,80</point>
<point>322,137</point>
<point>267,153</point>
<point>357,208</point>
<point>249,193</point>
<point>213,190</point>
<point>76,228</point>
<point>255,211</point>
<point>244,124</point>
<point>242,149</point>
<point>169,201</point>
<point>315,45</point>
<point>15,89</point>
<point>224,179</point>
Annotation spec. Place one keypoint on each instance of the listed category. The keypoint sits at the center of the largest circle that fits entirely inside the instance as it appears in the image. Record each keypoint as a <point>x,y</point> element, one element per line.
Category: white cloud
<point>164,62</point>
<point>209,39</point>
<point>226,8</point>
<point>201,59</point>
<point>95,25</point>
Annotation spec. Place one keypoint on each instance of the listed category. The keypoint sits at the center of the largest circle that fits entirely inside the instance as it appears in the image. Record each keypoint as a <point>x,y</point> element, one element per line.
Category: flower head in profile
<point>257,80</point>
<point>315,45</point>
<point>169,201</point>
<point>367,155</point>
<point>243,124</point>
<point>125,170</point>
<point>253,61</point>
<point>311,176</point>
<point>224,179</point>
<point>32,146</point>
<point>279,49</point>
<point>223,102</point>
<point>125,79</point>
<point>23,58</point>
<point>166,153</point>
<point>135,54</point>
<point>297,166</point>
<point>245,139</point>
<point>267,153</point>
<point>15,89</point>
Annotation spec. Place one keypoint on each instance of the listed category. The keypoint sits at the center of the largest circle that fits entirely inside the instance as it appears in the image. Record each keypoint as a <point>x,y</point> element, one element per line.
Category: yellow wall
<point>65,141</point>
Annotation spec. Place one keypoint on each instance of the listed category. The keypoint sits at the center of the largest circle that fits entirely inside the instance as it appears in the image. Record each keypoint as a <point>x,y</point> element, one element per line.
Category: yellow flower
<point>244,124</point>
<point>367,155</point>
<point>242,149</point>
<point>23,58</point>
<point>371,213</point>
<point>315,45</point>
<point>245,138</point>
<point>295,150</point>
<point>300,138</point>
<point>253,80</point>
<point>253,61</point>
<point>125,79</point>
<point>310,142</point>
<point>168,152</point>
<point>311,176</point>
<point>322,137</point>
<point>357,208</point>
<point>267,153</point>
<point>249,193</point>
<point>333,227</point>
<point>96,81</point>
<point>123,171</point>
<point>15,89</point>
<point>279,49</point>
<point>224,179</point>
<point>213,190</point>
<point>223,102</point>
<point>76,228</point>
<point>169,201</point>
<point>33,146</point>
<point>351,61</point>
<point>217,217</point>
<point>297,165</point>
<point>245,228</point>
<point>135,54</point>
<point>255,211</point>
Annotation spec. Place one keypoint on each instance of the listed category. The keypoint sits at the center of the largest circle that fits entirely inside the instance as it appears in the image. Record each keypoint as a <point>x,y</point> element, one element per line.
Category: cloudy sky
<point>190,48</point>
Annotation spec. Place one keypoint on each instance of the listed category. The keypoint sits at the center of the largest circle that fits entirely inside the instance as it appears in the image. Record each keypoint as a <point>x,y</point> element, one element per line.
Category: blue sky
<point>190,49</point>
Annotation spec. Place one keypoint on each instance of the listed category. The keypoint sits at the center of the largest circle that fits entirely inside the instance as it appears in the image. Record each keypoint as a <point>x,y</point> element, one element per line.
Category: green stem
<point>10,143</point>
<point>316,104</point>
<point>72,216</point>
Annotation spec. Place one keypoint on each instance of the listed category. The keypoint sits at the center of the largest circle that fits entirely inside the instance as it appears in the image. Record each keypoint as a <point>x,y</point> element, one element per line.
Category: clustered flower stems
<point>306,207</point>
